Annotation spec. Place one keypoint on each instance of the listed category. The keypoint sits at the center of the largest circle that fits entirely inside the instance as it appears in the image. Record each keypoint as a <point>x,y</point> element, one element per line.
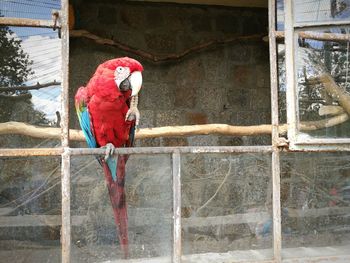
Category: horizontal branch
<point>21,128</point>
<point>156,58</point>
<point>336,37</point>
<point>330,110</point>
<point>25,22</point>
<point>16,97</point>
<point>336,91</point>
<point>33,87</point>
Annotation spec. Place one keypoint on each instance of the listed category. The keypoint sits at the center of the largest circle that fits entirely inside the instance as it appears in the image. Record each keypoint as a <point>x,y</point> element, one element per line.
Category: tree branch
<point>34,87</point>
<point>16,97</point>
<point>156,58</point>
<point>337,92</point>
<point>318,36</point>
<point>21,128</point>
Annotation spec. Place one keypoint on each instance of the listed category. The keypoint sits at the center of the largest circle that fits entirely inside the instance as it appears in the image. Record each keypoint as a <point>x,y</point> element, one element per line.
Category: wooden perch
<point>156,58</point>
<point>321,124</point>
<point>16,97</point>
<point>335,37</point>
<point>337,92</point>
<point>171,131</point>
<point>330,110</point>
<point>34,87</point>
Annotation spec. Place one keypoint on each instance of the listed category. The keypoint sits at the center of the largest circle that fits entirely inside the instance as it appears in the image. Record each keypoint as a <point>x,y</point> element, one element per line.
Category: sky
<point>44,49</point>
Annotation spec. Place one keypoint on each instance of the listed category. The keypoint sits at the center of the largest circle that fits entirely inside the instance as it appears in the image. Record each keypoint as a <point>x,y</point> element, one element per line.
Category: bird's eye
<point>120,69</point>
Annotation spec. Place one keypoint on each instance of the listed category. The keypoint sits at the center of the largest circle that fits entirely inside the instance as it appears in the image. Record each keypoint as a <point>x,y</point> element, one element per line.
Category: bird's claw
<point>109,150</point>
<point>133,114</point>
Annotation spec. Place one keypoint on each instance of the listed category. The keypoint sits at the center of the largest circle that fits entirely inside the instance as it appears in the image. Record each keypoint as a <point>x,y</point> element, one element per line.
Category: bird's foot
<point>133,114</point>
<point>109,150</point>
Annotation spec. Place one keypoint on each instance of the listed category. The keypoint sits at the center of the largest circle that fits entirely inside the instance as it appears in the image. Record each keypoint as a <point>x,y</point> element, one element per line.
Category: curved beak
<point>135,82</point>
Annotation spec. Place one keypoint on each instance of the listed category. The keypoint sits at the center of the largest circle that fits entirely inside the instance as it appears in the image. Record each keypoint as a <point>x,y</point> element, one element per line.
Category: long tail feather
<point>117,195</point>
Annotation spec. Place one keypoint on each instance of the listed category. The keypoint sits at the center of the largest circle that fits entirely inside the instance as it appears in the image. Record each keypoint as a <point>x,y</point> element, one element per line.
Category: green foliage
<point>14,63</point>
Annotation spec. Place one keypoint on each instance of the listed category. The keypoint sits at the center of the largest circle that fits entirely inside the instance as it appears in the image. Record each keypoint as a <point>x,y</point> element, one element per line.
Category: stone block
<point>230,141</point>
<point>244,76</point>
<point>194,118</point>
<point>154,96</point>
<point>154,18</point>
<point>133,17</point>
<point>254,25</point>
<point>107,15</point>
<point>149,142</point>
<point>185,97</point>
<point>200,23</point>
<point>170,118</point>
<point>247,118</point>
<point>260,53</point>
<point>146,118</point>
<point>260,99</point>
<point>161,43</point>
<point>239,98</point>
<point>238,54</point>
<point>180,141</point>
<point>202,140</point>
<point>228,24</point>
<point>263,76</point>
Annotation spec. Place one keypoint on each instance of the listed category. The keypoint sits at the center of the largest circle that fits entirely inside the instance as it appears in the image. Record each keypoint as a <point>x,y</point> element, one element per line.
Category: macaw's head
<point>127,74</point>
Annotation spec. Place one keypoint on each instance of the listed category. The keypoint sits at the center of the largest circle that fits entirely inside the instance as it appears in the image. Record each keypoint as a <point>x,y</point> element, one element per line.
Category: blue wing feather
<point>85,124</point>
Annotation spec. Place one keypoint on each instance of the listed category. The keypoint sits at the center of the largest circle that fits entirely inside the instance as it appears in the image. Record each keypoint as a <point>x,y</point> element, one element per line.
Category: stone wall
<point>225,84</point>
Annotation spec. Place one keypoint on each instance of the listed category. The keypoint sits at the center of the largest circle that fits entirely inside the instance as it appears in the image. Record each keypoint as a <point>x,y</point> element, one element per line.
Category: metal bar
<point>273,72</point>
<point>26,22</point>
<point>318,259</point>
<point>322,141</point>
<point>63,16</point>
<point>321,23</point>
<point>31,152</point>
<point>276,205</point>
<point>176,207</point>
<point>66,217</point>
<point>290,73</point>
<point>167,150</point>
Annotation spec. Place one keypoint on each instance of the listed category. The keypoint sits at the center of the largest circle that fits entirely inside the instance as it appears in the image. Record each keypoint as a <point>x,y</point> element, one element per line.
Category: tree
<point>14,63</point>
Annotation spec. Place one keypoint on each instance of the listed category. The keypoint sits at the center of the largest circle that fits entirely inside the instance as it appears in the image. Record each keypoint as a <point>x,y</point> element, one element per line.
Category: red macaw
<point>107,113</point>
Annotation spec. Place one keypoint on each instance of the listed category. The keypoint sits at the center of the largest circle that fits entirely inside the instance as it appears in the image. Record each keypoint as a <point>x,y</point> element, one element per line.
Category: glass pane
<point>315,201</point>
<point>321,10</point>
<point>30,89</point>
<point>30,209</point>
<point>280,15</point>
<point>282,99</point>
<point>149,204</point>
<point>34,9</point>
<point>323,84</point>
<point>226,206</point>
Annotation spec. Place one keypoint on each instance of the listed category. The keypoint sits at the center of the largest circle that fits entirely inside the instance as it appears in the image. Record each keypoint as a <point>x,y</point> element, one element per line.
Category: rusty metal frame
<point>275,162</point>
<point>66,152</point>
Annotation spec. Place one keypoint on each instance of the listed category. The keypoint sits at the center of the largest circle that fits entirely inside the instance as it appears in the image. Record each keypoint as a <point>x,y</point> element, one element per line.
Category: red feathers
<point>102,109</point>
<point>107,105</point>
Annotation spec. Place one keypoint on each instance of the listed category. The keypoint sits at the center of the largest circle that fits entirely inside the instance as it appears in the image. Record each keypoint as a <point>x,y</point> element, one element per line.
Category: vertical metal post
<point>66,218</point>
<point>290,72</point>
<point>176,207</point>
<point>63,16</point>
<point>276,207</point>
<point>65,169</point>
<point>276,203</point>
